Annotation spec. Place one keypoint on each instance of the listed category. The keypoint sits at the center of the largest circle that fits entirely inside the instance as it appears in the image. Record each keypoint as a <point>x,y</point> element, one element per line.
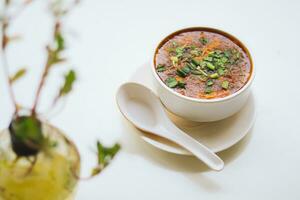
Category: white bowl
<point>202,110</point>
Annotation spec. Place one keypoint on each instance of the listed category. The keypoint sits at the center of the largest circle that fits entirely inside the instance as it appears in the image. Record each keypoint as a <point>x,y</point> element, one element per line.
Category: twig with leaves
<point>26,132</point>
<point>5,40</point>
<point>54,53</point>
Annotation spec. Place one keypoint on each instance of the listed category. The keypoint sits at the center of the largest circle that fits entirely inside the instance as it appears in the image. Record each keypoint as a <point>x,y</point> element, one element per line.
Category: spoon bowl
<point>145,111</point>
<point>134,103</point>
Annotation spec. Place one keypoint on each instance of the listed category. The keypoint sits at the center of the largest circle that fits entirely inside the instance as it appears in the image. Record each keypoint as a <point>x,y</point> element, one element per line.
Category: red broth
<point>205,64</point>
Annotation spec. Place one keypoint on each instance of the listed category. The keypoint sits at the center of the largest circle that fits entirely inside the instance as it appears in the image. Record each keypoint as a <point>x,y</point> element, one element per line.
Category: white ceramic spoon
<point>143,108</point>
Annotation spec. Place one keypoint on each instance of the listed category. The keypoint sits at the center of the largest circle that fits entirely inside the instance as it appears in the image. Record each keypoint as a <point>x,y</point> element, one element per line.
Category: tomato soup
<point>202,64</point>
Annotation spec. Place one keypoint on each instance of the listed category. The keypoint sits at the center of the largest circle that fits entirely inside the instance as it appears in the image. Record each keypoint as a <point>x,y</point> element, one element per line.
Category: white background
<point>109,40</point>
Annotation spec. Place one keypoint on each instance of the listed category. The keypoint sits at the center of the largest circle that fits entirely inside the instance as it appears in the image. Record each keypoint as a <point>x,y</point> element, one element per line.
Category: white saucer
<point>218,136</point>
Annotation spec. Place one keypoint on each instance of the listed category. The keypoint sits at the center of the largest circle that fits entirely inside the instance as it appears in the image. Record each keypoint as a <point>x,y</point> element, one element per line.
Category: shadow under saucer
<point>134,144</point>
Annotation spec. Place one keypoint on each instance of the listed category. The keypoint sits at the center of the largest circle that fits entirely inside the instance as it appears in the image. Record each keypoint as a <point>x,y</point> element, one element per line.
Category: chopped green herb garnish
<point>179,51</point>
<point>235,56</point>
<point>171,82</point>
<point>208,58</point>
<point>224,59</point>
<point>181,84</point>
<point>217,52</point>
<point>227,53</point>
<point>174,43</point>
<point>202,64</point>
<point>208,90</point>
<point>196,72</point>
<point>214,75</point>
<point>183,72</point>
<point>203,40</point>
<point>205,74</point>
<point>186,69</point>
<point>221,71</point>
<point>191,65</point>
<point>180,73</point>
<point>174,60</point>
<point>209,82</point>
<point>199,72</point>
<point>195,52</point>
<point>160,68</point>
<point>210,66</point>
<point>225,85</point>
<point>202,78</point>
<point>195,62</point>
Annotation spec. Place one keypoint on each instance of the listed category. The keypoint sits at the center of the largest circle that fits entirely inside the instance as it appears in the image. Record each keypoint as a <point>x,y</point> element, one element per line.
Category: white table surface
<point>110,39</point>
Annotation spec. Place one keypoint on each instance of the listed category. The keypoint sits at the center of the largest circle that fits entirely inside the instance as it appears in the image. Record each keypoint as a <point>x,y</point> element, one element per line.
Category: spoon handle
<point>196,148</point>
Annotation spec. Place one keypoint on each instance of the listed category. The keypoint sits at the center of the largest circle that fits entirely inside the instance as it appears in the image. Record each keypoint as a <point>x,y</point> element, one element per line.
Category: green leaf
<point>208,90</point>
<point>179,51</point>
<point>181,84</point>
<point>227,53</point>
<point>209,82</point>
<point>186,69</point>
<point>208,58</point>
<point>174,60</point>
<point>214,76</point>
<point>70,77</point>
<point>160,68</point>
<point>19,74</point>
<point>195,52</point>
<point>183,72</point>
<point>210,66</point>
<point>196,72</point>
<point>202,78</point>
<point>195,62</point>
<point>105,155</point>
<point>203,40</point>
<point>191,65</point>
<point>174,44</point>
<point>171,82</point>
<point>224,59</point>
<point>199,72</point>
<point>221,71</point>
<point>54,57</point>
<point>60,41</point>
<point>225,85</point>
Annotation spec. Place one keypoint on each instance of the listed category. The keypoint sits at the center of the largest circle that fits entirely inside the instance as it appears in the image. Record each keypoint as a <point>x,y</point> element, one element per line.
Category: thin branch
<point>41,84</point>
<point>53,54</point>
<point>5,40</point>
<point>5,64</point>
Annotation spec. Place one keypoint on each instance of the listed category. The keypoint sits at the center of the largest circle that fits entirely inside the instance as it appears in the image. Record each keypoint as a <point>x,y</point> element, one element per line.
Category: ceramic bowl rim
<point>198,100</point>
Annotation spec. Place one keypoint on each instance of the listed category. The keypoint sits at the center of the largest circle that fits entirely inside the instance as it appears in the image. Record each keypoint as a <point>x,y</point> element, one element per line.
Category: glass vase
<point>52,176</point>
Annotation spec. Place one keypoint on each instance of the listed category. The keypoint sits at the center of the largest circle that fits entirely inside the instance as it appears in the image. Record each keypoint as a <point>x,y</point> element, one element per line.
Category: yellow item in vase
<point>50,179</point>
<point>52,176</point>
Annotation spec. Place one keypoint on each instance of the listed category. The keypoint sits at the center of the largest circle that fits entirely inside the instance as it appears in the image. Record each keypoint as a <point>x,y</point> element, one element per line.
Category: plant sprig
<point>6,20</point>
<point>26,130</point>
<point>55,50</point>
<point>105,155</point>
